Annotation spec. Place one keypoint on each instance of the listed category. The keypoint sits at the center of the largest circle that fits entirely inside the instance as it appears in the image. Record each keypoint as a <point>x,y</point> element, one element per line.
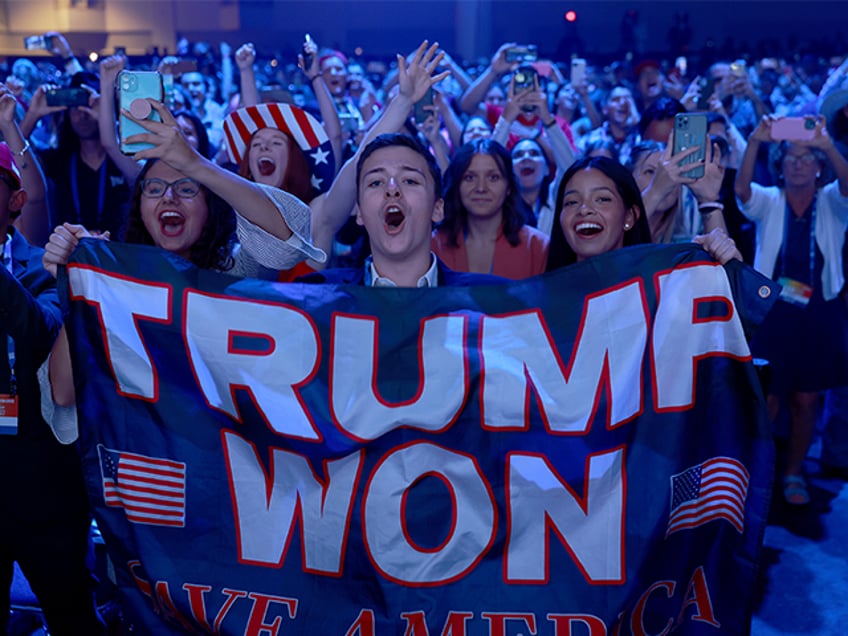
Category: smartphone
<point>525,77</point>
<point>35,42</point>
<point>67,97</point>
<point>528,53</point>
<point>421,113</point>
<point>708,87</point>
<point>180,67</point>
<point>121,50</point>
<point>133,85</point>
<point>681,64</point>
<point>793,128</point>
<point>578,71</point>
<point>690,129</point>
<point>307,57</point>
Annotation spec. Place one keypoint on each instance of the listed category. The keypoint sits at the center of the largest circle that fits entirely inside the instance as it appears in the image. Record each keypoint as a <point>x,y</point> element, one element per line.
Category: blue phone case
<point>133,85</point>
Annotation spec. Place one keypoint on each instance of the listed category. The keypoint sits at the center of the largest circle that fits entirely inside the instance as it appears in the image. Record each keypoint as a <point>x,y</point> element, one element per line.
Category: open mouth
<point>526,171</point>
<point>172,223</point>
<point>266,166</point>
<point>394,218</point>
<point>587,229</point>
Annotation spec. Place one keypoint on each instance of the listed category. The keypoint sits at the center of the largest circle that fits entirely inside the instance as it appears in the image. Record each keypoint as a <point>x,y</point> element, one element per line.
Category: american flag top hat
<point>307,132</point>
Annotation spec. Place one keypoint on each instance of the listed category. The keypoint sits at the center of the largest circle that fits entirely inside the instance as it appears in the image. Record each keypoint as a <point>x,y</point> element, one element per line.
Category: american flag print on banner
<point>715,489</point>
<point>151,490</point>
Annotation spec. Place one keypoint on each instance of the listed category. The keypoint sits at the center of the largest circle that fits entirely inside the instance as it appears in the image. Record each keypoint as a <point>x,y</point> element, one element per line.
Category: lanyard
<point>101,189</point>
<point>7,263</point>
<point>812,239</point>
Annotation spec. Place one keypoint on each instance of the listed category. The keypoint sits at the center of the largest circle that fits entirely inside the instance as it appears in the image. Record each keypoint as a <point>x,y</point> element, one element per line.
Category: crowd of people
<point>421,172</point>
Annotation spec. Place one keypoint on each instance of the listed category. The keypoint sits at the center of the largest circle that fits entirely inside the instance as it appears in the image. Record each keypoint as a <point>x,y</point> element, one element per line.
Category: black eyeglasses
<point>183,188</point>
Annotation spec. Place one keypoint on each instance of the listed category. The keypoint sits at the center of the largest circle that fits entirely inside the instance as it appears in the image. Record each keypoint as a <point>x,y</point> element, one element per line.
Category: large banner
<point>585,452</point>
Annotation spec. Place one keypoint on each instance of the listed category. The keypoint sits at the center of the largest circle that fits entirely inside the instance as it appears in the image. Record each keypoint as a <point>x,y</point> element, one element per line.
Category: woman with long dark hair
<point>484,230</point>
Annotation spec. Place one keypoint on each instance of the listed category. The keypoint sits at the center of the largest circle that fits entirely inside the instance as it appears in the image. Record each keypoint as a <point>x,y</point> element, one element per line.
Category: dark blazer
<point>446,277</point>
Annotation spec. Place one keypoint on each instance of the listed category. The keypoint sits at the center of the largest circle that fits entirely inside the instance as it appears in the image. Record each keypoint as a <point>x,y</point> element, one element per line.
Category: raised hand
<point>110,67</point>
<point>708,187</point>
<point>168,142</point>
<point>245,56</point>
<point>499,62</point>
<point>416,77</point>
<point>8,104</point>
<point>310,48</point>
<point>15,86</point>
<point>763,130</point>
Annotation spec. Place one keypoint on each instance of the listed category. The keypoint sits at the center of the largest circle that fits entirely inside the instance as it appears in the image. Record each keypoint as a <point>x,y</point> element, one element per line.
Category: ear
<point>358,214</point>
<point>631,216</point>
<point>17,200</point>
<point>438,211</point>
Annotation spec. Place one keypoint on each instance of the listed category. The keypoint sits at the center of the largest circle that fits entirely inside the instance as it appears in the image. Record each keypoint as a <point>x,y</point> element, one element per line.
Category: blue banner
<point>585,452</point>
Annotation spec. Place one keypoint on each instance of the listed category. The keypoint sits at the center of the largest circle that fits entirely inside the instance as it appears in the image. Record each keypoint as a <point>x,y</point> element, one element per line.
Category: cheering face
<point>528,163</point>
<point>397,204</point>
<point>187,129</point>
<point>335,74</point>
<point>484,187</point>
<point>174,220</point>
<point>194,83</point>
<point>617,108</point>
<point>269,156</point>
<point>593,216</point>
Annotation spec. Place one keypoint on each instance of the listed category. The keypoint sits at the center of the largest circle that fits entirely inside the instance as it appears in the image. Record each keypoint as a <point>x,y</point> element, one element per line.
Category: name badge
<point>795,292</point>
<point>8,414</point>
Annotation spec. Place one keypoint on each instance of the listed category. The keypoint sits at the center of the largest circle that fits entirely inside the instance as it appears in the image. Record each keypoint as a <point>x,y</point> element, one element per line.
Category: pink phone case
<point>793,128</point>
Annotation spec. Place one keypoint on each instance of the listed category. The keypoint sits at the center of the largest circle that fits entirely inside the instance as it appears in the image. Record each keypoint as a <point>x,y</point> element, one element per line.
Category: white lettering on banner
<point>266,508</point>
<point>272,376</point>
<point>389,546</point>
<point>122,301</point>
<point>680,338</point>
<point>358,408</point>
<point>590,527</point>
<point>518,352</point>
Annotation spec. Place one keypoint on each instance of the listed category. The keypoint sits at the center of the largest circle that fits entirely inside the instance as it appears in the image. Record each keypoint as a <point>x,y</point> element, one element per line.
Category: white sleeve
<point>761,203</point>
<point>274,252</point>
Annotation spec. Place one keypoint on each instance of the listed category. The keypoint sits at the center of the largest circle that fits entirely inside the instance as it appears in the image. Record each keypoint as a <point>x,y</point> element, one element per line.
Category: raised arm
<point>245,58</point>
<point>707,190</point>
<point>34,220</point>
<point>170,146</point>
<point>331,210</point>
<point>326,105</point>
<point>761,134</point>
<point>106,121</point>
<point>38,108</point>
<point>469,102</point>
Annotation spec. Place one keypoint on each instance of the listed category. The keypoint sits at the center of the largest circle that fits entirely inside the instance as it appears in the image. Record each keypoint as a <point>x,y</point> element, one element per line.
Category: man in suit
<point>44,517</point>
<point>399,198</point>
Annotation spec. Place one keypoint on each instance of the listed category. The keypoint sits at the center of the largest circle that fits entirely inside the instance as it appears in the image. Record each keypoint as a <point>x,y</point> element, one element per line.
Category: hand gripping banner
<point>585,452</point>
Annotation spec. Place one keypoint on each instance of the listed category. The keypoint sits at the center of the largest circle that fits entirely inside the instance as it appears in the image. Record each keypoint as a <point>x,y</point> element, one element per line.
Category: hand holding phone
<point>67,97</point>
<point>307,53</point>
<point>578,71</point>
<point>38,42</point>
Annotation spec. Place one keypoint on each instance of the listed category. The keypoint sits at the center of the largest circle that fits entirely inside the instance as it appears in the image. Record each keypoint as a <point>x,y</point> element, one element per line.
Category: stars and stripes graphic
<point>306,131</point>
<point>715,489</point>
<point>151,490</point>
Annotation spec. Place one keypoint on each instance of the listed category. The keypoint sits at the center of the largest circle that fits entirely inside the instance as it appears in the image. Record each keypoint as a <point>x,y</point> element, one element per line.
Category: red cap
<point>7,163</point>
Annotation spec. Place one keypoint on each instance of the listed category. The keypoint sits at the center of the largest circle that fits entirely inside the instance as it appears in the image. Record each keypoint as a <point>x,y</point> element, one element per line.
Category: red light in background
<point>570,16</point>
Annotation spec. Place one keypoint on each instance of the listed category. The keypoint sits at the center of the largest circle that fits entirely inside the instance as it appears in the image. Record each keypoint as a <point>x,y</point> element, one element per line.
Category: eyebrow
<point>596,189</point>
<point>379,169</point>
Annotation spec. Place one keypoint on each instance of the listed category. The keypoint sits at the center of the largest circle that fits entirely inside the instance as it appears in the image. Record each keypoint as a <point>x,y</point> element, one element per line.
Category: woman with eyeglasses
<point>187,205</point>
<point>800,229</point>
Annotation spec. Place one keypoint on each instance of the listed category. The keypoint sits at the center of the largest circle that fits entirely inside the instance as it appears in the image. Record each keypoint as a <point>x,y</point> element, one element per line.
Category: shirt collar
<point>373,278</point>
<point>7,252</point>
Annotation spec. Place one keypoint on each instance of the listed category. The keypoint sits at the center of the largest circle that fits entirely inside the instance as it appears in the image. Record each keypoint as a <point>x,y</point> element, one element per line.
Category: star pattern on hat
<point>320,156</point>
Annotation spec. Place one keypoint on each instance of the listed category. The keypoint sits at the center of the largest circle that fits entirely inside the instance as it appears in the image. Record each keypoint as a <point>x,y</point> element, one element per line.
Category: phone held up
<point>36,42</point>
<point>67,97</point>
<point>134,87</point>
<point>421,113</point>
<point>578,71</point>
<point>307,57</point>
<point>527,53</point>
<point>690,130</point>
<point>793,129</point>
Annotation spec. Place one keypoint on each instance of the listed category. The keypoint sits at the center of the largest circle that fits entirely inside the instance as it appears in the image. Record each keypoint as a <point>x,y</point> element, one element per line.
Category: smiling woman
<point>484,230</point>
